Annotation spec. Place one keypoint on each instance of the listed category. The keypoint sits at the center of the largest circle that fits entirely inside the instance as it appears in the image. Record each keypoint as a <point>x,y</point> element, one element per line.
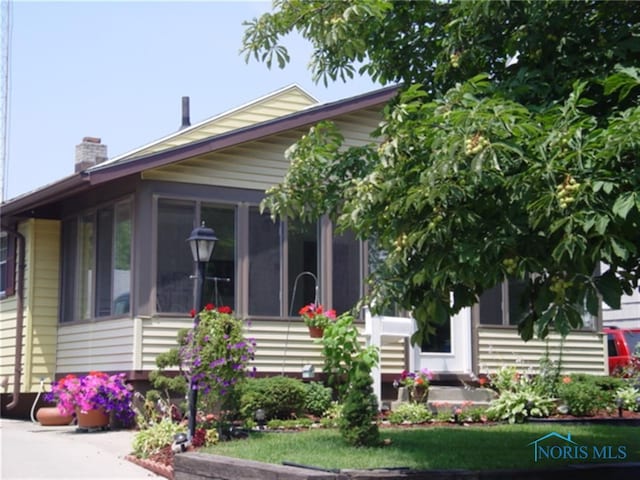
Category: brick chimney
<point>89,153</point>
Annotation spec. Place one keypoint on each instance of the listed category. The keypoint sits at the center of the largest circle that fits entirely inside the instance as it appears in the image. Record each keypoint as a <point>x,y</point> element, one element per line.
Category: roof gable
<point>135,163</point>
<point>282,102</point>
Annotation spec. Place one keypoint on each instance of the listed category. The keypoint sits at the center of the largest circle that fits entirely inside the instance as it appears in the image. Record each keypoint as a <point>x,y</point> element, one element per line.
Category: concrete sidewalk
<point>28,450</point>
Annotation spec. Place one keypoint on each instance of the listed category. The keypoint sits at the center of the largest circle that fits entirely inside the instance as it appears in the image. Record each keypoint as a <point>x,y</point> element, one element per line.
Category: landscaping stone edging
<point>200,466</point>
<point>627,422</point>
<point>155,467</point>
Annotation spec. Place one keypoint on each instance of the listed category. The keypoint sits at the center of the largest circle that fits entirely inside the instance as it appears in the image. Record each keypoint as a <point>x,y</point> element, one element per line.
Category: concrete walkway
<point>28,450</point>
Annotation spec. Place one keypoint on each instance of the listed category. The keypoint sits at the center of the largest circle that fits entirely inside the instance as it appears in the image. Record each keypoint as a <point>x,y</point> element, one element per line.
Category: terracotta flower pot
<point>316,332</point>
<point>51,416</point>
<point>420,394</point>
<point>92,418</point>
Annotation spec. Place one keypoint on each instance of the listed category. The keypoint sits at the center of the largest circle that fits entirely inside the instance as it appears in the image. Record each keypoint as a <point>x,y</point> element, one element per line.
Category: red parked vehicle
<point>624,347</point>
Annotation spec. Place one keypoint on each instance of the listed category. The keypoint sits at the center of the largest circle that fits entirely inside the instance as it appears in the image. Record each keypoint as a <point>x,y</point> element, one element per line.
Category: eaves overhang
<point>22,205</point>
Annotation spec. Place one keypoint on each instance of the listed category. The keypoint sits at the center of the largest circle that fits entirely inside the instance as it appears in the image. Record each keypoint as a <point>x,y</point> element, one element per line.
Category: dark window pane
<point>104,249</point>
<point>302,257</point>
<point>4,251</point>
<point>264,264</point>
<point>611,346</point>
<point>516,309</point>
<point>174,265</point>
<point>85,286</point>
<point>491,306</point>
<point>440,342</point>
<point>68,273</point>
<point>219,288</point>
<point>346,272</point>
<point>633,342</point>
<point>122,259</point>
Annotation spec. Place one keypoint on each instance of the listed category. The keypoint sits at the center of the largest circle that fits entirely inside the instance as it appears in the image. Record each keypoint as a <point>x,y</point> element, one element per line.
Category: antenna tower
<point>5,53</point>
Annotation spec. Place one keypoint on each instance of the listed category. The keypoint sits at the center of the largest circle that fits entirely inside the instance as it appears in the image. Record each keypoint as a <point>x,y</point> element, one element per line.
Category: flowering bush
<point>416,383</point>
<point>314,315</point>
<point>214,354</point>
<point>91,392</point>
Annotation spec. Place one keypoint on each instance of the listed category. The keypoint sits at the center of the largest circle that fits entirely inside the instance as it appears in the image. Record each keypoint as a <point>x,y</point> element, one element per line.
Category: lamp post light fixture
<point>202,241</point>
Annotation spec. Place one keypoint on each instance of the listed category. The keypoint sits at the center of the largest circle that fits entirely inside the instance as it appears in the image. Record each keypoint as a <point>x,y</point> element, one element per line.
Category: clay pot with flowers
<point>416,383</point>
<point>92,398</point>
<point>316,318</point>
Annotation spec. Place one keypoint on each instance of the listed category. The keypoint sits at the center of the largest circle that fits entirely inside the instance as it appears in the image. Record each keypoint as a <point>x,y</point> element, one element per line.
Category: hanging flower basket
<point>316,318</point>
<point>316,332</point>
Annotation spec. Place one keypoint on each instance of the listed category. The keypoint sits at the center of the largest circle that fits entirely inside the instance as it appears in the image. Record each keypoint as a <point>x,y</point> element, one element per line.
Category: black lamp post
<point>202,241</point>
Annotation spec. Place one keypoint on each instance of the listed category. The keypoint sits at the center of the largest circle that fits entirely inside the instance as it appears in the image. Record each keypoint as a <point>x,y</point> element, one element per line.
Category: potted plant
<point>416,383</point>
<point>91,398</point>
<point>316,318</point>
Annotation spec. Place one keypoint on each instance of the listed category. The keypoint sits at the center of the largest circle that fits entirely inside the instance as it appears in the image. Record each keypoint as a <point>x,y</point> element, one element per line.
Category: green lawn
<point>474,448</point>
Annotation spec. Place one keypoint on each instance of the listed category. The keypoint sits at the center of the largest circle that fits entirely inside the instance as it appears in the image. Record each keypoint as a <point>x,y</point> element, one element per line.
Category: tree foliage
<point>510,151</point>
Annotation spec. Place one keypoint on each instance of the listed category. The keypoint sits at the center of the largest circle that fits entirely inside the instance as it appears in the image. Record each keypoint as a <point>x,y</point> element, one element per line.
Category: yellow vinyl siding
<point>259,164</point>
<point>105,345</point>
<point>7,339</point>
<point>8,319</point>
<point>42,305</point>
<point>289,100</point>
<point>392,358</point>
<point>279,346</point>
<point>158,336</point>
<point>582,352</point>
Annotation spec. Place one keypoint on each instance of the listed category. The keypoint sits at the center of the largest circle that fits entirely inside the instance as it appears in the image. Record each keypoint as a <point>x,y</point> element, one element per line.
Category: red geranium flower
<point>225,309</point>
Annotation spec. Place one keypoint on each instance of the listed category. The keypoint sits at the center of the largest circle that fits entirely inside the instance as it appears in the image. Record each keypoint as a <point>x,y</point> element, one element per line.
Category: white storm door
<point>450,352</point>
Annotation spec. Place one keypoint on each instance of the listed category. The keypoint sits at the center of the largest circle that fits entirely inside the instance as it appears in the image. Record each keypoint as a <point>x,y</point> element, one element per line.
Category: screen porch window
<point>501,305</point>
<point>302,256</point>
<point>96,263</point>
<point>347,272</point>
<point>175,266</point>
<point>264,264</point>
<point>283,261</point>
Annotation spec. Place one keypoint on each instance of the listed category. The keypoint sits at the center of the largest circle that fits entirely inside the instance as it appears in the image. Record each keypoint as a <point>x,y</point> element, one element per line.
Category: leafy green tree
<point>510,151</point>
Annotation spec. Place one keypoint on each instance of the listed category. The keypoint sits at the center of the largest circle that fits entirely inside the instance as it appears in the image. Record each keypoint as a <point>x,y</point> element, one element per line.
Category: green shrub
<point>332,415</point>
<point>317,399</point>
<point>475,414</point>
<point>583,395</point>
<point>517,406</point>
<point>520,397</point>
<point>155,437</point>
<point>289,424</point>
<point>443,415</point>
<point>412,413</point>
<point>548,377</point>
<point>628,396</point>
<point>357,424</point>
<point>279,397</point>
<point>503,379</point>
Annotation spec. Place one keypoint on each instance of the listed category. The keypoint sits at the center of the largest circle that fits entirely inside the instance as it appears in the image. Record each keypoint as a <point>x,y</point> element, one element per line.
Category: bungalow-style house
<point>96,271</point>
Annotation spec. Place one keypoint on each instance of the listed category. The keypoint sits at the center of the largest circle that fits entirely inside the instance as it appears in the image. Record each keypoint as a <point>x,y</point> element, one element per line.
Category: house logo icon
<point>554,446</point>
<point>562,447</point>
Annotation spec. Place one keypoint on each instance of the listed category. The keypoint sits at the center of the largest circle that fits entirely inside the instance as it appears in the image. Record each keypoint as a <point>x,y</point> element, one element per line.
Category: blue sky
<point>117,70</point>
